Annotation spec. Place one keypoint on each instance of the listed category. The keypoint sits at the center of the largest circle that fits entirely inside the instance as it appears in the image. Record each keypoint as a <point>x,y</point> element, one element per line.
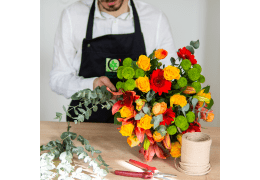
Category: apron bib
<point>103,55</point>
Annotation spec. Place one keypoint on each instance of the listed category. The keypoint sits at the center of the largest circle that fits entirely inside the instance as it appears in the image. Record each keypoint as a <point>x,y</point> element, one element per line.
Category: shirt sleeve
<point>165,39</point>
<point>64,79</point>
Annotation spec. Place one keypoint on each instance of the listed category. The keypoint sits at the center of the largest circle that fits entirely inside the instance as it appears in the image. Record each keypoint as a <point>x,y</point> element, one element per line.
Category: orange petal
<point>159,152</point>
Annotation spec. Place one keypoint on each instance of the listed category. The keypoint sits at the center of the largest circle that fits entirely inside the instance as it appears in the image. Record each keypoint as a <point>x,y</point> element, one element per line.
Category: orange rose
<point>145,122</point>
<point>171,72</point>
<point>144,63</point>
<point>133,141</point>
<point>159,108</point>
<point>127,130</point>
<point>210,117</point>
<point>176,149</point>
<point>157,136</point>
<point>167,141</point>
<point>160,53</point>
<point>143,84</point>
<point>140,104</point>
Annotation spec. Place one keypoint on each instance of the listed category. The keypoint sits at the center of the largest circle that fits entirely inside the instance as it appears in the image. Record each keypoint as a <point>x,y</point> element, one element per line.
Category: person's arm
<point>64,79</point>
<point>164,39</point>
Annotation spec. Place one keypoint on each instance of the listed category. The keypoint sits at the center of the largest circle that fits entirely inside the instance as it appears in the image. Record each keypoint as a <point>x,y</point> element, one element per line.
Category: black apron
<point>103,55</point>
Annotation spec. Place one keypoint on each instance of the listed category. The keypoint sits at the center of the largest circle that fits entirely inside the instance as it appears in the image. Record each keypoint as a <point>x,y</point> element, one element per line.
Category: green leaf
<point>194,103</point>
<point>173,61</point>
<point>139,116</point>
<point>162,130</point>
<point>64,108</point>
<point>134,65</point>
<point>156,120</point>
<point>207,88</point>
<point>76,112</point>
<point>97,151</point>
<point>80,139</point>
<point>210,104</point>
<point>81,118</point>
<point>100,158</point>
<point>95,108</point>
<point>146,109</point>
<point>195,44</point>
<point>93,95</point>
<point>71,135</point>
<point>117,115</point>
<point>82,110</point>
<point>149,95</point>
<point>152,54</point>
<point>190,48</point>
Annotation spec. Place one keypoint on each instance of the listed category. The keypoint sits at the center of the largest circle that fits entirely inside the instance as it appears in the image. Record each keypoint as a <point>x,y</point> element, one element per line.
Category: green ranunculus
<point>186,64</point>
<point>197,66</point>
<point>201,79</point>
<point>139,73</point>
<point>128,73</point>
<point>197,86</point>
<point>127,62</point>
<point>129,85</point>
<point>194,74</point>
<point>172,130</point>
<point>119,85</point>
<point>185,127</point>
<point>190,116</point>
<point>182,82</point>
<point>119,72</point>
<point>180,121</point>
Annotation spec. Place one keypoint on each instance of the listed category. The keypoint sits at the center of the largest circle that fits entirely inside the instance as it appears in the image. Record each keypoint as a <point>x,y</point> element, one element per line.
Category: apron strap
<point>91,20</point>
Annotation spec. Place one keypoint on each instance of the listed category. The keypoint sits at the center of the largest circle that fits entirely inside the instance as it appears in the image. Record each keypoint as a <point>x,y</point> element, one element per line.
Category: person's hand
<point>103,80</point>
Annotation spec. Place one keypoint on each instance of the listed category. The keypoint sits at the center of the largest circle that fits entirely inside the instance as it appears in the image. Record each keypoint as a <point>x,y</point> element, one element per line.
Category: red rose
<point>158,83</point>
<point>186,54</point>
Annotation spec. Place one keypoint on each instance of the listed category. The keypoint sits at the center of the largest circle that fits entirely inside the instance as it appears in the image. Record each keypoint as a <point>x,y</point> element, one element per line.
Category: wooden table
<point>116,151</point>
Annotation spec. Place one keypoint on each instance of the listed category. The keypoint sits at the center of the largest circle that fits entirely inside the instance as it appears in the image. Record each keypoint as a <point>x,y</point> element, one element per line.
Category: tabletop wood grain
<point>116,152</point>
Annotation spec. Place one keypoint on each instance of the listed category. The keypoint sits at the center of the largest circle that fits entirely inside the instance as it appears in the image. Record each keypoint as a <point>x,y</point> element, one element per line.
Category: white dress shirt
<point>71,31</point>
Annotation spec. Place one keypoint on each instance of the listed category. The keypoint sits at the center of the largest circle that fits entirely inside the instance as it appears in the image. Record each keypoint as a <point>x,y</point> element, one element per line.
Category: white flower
<point>93,164</point>
<point>87,159</point>
<point>81,156</point>
<point>85,177</point>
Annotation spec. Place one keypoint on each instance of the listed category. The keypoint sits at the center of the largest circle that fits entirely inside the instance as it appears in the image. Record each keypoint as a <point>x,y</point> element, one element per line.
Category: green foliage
<point>162,130</point>
<point>195,44</point>
<point>150,95</point>
<point>190,48</point>
<point>156,120</point>
<point>117,115</point>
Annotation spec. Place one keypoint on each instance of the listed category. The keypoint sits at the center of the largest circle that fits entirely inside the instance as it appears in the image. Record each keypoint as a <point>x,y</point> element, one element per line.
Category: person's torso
<point>79,12</point>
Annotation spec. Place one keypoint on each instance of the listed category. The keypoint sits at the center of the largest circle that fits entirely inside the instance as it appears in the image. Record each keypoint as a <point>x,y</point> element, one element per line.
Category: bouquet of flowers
<point>157,105</point>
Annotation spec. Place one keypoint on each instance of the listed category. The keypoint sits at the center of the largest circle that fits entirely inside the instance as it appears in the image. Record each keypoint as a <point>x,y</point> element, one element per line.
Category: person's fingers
<point>106,81</point>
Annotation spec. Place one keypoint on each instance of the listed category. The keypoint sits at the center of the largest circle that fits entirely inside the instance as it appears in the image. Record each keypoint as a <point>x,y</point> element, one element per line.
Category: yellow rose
<point>143,84</point>
<point>133,141</point>
<point>159,108</point>
<point>157,136</point>
<point>171,72</point>
<point>144,63</point>
<point>203,97</point>
<point>145,122</point>
<point>176,149</point>
<point>127,130</point>
<point>178,99</point>
<point>126,112</point>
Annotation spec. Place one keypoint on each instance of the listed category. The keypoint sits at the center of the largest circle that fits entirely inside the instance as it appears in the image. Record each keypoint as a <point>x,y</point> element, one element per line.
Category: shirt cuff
<point>87,83</point>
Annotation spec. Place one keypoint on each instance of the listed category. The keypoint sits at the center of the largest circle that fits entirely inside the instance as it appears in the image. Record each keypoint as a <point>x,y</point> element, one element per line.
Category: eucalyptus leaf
<point>195,44</point>
<point>95,108</point>
<point>190,48</point>
<point>139,116</point>
<point>64,108</point>
<point>173,61</point>
<point>149,95</point>
<point>156,120</point>
<point>82,110</point>
<point>76,112</point>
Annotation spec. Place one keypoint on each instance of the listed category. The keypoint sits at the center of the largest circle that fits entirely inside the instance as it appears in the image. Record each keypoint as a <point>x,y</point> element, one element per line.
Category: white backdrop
<point>189,20</point>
